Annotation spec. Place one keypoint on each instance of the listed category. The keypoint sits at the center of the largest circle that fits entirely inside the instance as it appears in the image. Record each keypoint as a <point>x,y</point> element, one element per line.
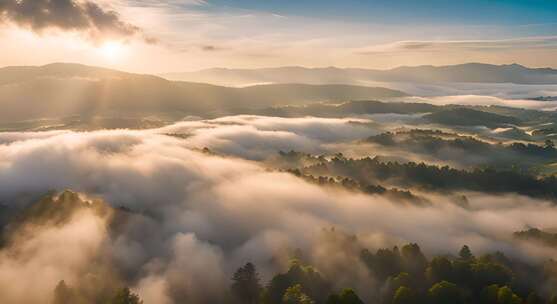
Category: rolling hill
<point>61,90</point>
<point>466,73</point>
<point>471,117</point>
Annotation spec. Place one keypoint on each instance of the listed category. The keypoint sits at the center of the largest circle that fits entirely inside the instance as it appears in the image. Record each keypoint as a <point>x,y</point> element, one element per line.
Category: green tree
<point>246,287</point>
<point>489,294</point>
<point>494,294</point>
<point>295,295</point>
<point>440,268</point>
<point>414,260</point>
<point>463,273</point>
<point>445,293</point>
<point>465,253</point>
<point>384,263</point>
<point>404,295</point>
<point>487,273</point>
<point>125,296</point>
<point>505,295</point>
<point>347,296</point>
<point>393,284</point>
<point>311,281</point>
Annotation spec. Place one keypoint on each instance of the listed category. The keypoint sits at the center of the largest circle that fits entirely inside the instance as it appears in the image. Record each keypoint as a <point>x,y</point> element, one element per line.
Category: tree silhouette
<point>63,294</point>
<point>465,253</point>
<point>295,295</point>
<point>246,287</point>
<point>347,296</point>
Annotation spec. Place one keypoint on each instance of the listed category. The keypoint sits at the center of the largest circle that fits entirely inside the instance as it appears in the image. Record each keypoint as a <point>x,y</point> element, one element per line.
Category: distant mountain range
<point>83,98</point>
<point>62,90</point>
<point>465,73</point>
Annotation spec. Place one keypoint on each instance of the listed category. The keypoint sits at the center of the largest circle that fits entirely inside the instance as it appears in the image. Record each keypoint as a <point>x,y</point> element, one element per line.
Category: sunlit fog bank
<point>169,219</point>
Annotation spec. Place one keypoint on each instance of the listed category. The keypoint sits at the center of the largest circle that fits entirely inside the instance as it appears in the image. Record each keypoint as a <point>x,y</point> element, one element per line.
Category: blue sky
<point>510,12</point>
<point>412,19</point>
<point>196,34</point>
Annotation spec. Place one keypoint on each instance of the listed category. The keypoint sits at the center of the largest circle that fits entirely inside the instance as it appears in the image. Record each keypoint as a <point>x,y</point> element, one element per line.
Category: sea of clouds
<point>195,217</point>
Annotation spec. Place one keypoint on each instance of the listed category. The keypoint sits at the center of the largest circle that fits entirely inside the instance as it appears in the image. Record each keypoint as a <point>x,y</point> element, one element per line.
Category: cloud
<point>258,137</point>
<point>499,90</point>
<point>176,4</point>
<point>85,17</point>
<point>38,249</point>
<point>194,265</point>
<point>482,100</point>
<point>461,45</point>
<point>211,48</point>
<point>197,217</point>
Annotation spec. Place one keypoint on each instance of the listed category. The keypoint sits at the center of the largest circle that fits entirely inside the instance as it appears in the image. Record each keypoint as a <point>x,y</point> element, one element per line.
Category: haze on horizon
<point>362,184</point>
<point>175,36</point>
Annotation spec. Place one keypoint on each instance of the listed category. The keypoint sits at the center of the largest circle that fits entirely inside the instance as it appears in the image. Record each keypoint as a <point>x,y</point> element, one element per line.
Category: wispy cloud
<point>448,45</point>
<point>179,4</point>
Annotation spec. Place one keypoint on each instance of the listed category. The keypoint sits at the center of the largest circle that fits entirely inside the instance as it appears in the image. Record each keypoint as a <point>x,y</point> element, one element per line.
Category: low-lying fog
<point>196,216</point>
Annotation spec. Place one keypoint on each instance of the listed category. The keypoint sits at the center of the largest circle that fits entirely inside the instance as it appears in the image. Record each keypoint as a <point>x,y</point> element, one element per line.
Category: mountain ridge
<point>369,69</point>
<point>61,90</point>
<point>467,73</point>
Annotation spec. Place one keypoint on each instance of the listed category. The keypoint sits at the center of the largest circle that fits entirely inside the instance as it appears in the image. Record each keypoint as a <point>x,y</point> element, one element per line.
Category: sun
<point>112,50</point>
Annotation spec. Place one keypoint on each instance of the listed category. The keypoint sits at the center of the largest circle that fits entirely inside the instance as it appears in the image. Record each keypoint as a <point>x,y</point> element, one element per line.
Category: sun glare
<point>112,50</point>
